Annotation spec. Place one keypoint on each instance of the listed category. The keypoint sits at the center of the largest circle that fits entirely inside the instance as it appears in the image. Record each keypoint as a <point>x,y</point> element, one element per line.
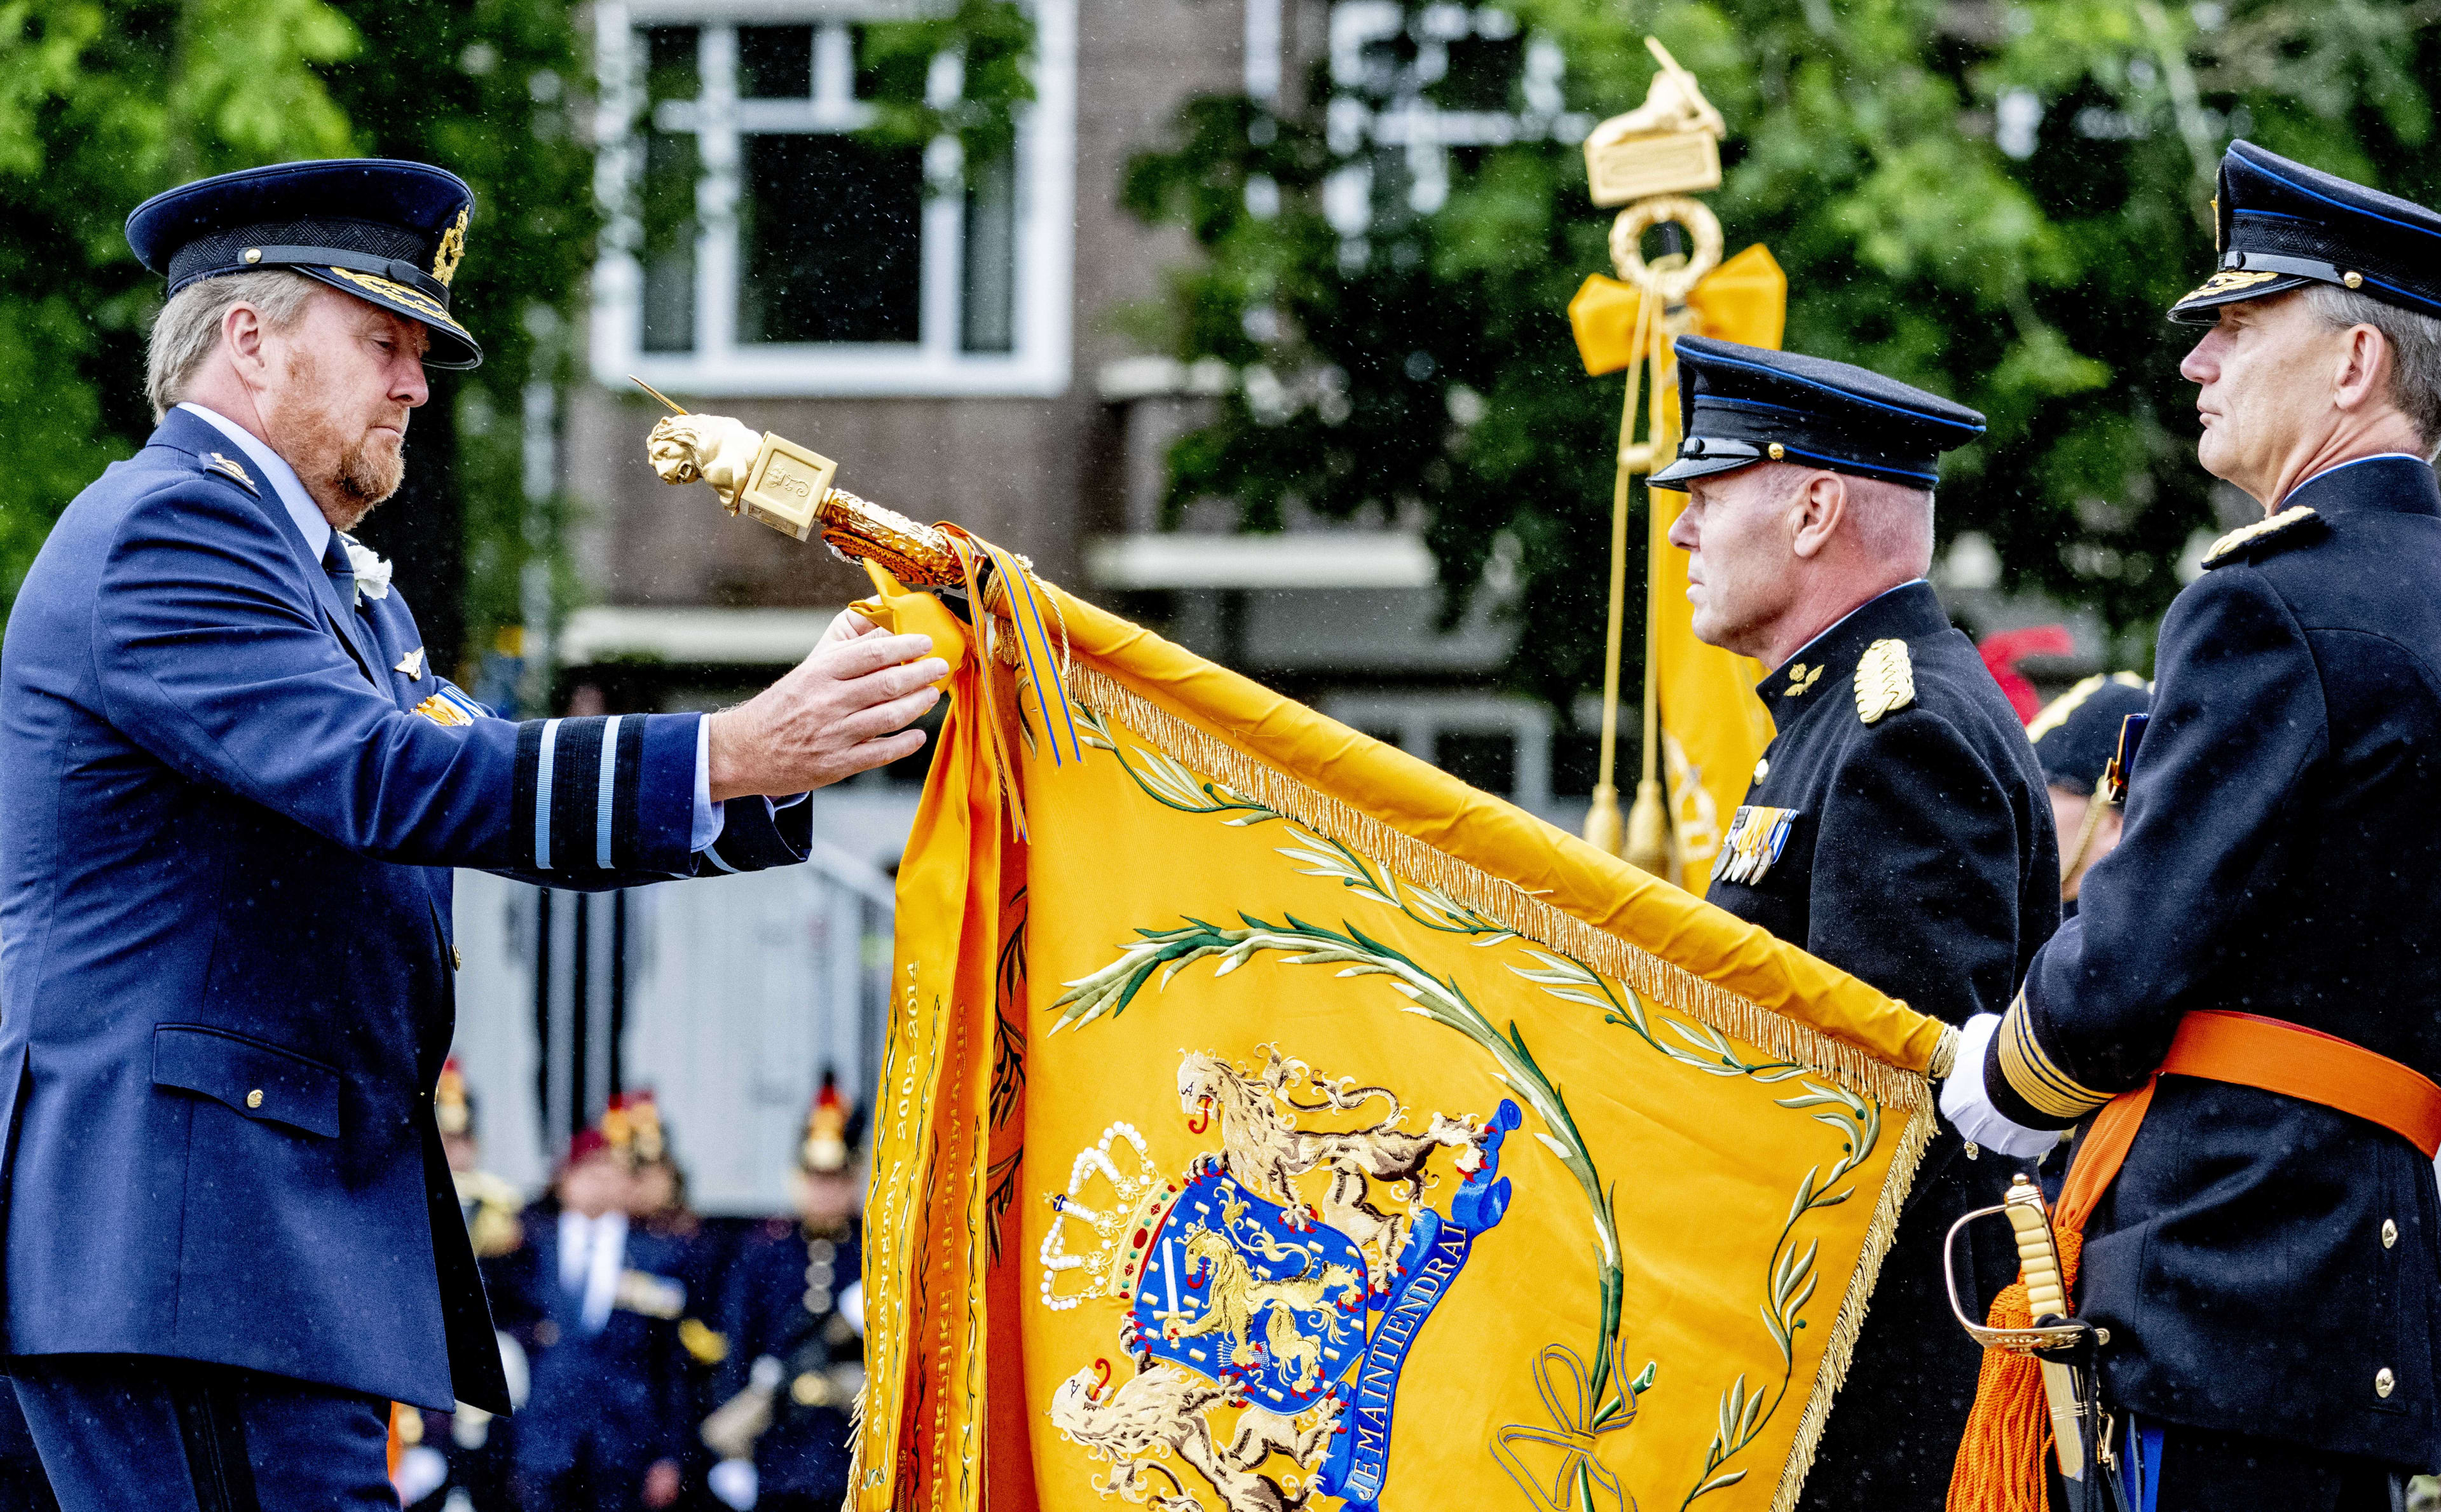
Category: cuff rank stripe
<point>577,791</point>
<point>2034,1075</point>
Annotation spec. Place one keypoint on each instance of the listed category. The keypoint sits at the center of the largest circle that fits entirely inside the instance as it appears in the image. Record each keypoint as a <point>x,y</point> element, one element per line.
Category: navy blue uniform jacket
<point>612,1400</point>
<point>224,916</point>
<point>783,1304</point>
<point>2266,1265</point>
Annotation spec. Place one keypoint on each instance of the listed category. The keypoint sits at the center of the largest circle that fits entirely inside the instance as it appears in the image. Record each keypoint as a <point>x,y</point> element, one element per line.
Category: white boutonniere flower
<point>372,573</point>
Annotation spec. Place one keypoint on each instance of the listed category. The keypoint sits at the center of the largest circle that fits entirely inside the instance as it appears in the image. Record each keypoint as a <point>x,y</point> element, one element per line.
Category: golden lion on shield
<point>1236,1293</point>
<point>1265,1151</point>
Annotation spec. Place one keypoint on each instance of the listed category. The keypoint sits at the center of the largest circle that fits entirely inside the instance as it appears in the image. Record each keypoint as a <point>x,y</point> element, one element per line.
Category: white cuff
<point>1965,1103</point>
<point>709,816</point>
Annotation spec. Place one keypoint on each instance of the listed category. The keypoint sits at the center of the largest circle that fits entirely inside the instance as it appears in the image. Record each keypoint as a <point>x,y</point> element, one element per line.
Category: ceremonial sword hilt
<point>2038,1259</point>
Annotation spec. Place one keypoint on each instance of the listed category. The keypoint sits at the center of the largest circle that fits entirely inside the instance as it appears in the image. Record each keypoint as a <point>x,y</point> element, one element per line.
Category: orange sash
<point>1999,1464</point>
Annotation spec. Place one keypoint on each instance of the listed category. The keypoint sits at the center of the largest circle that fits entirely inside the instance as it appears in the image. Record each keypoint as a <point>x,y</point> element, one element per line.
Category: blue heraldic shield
<point>1274,1304</point>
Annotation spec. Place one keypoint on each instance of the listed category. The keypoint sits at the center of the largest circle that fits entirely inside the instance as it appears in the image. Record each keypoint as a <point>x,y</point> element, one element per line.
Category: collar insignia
<point>1802,680</point>
<point>2229,545</point>
<point>2229,279</point>
<point>413,663</point>
<point>453,246</point>
<point>219,464</point>
<point>1756,838</point>
<point>1885,680</point>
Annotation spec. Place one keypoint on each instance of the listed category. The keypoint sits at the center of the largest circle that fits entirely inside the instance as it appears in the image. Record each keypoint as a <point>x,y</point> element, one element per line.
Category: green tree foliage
<point>101,105</point>
<point>1996,202</point>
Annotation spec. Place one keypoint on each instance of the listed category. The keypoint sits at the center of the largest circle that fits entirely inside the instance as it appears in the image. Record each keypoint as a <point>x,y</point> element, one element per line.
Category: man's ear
<point>2363,368</point>
<point>242,336</point>
<point>1819,504</point>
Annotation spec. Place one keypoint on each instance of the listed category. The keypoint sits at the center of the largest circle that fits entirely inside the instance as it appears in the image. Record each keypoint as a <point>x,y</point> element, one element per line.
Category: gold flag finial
<point>773,479</point>
<point>1667,145</point>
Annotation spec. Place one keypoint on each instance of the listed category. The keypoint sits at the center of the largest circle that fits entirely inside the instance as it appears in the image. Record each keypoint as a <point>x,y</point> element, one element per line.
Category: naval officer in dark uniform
<point>1896,825</point>
<point>2265,1260</point>
<point>231,789</point>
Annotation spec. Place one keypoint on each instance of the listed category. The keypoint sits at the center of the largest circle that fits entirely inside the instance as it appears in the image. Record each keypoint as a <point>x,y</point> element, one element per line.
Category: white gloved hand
<point>1965,1103</point>
<point>735,1482</point>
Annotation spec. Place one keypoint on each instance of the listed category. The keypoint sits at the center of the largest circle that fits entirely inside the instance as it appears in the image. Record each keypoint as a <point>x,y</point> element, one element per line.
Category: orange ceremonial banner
<point>1714,727</point>
<point>1271,1121</point>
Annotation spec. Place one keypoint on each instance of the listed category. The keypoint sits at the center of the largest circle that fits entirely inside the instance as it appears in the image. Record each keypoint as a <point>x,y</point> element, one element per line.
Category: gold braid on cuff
<point>2034,1075</point>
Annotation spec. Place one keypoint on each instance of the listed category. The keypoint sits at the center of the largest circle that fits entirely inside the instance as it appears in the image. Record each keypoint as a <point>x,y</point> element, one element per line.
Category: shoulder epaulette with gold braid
<point>2247,538</point>
<point>1885,680</point>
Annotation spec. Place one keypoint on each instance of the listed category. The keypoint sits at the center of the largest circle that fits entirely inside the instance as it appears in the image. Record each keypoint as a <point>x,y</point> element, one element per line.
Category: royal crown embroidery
<point>1801,678</point>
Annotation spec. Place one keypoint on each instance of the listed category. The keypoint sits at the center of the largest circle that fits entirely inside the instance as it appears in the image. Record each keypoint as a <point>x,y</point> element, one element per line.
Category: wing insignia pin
<point>220,463</point>
<point>413,663</point>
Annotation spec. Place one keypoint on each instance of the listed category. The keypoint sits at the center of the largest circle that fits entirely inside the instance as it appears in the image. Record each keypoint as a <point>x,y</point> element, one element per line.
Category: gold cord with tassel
<point>1648,824</point>
<point>1602,829</point>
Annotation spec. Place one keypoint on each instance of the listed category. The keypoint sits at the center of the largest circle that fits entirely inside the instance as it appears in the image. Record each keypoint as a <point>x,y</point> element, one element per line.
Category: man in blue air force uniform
<point>2265,1260</point>
<point>1896,825</point>
<point>231,789</point>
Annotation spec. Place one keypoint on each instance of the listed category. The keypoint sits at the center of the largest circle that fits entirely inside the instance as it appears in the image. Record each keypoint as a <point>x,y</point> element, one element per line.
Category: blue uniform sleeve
<point>2238,723</point>
<point>1918,828</point>
<point>216,654</point>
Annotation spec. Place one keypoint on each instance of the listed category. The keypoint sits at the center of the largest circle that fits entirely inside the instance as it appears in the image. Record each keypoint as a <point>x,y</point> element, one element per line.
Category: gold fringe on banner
<point>1498,898</point>
<point>1913,1140</point>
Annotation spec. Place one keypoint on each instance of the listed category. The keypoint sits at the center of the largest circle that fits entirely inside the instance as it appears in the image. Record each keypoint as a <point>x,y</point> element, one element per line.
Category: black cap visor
<point>1705,456</point>
<point>2231,286</point>
<point>452,346</point>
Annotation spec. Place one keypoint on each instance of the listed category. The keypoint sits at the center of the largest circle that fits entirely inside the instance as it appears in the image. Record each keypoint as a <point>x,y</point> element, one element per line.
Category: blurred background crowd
<point>1245,317</point>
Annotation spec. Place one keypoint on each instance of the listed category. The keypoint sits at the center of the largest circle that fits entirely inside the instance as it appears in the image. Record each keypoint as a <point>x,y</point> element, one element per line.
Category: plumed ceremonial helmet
<point>453,1106</point>
<point>2279,225</point>
<point>391,233</point>
<point>833,1131</point>
<point>2077,733</point>
<point>1740,406</point>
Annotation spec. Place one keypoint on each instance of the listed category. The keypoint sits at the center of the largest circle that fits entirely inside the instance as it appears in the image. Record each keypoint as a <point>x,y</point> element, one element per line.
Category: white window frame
<point>1039,360</point>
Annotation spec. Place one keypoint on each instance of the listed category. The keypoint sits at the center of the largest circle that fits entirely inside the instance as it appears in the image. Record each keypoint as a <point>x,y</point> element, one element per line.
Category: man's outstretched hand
<point>842,710</point>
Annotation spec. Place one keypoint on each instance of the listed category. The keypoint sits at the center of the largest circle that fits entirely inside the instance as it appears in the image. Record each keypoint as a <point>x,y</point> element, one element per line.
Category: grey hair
<point>189,327</point>
<point>2414,342</point>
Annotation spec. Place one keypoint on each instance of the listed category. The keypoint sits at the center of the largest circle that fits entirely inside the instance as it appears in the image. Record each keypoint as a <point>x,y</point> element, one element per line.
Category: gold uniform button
<point>2384,1382</point>
<point>253,255</point>
<point>254,1099</point>
<point>1778,451</point>
<point>2354,281</point>
<point>2389,1233</point>
<point>1763,768</point>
